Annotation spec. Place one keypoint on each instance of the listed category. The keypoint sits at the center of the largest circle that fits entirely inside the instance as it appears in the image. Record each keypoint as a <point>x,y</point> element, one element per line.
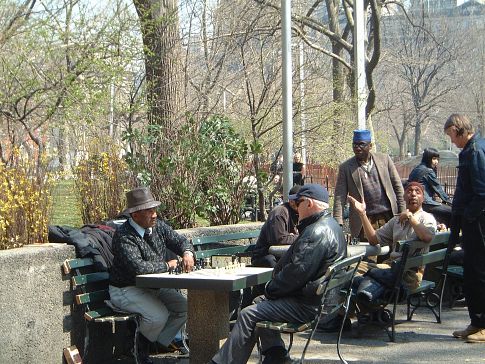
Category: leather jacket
<point>321,242</point>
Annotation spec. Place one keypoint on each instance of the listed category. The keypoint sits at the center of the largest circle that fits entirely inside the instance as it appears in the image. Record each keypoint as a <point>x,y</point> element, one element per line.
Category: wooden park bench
<point>429,294</point>
<point>454,281</point>
<point>91,293</point>
<point>224,244</point>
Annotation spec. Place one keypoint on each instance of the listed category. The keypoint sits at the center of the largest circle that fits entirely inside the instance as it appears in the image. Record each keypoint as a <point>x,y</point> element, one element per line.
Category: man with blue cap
<point>370,177</point>
<point>290,295</point>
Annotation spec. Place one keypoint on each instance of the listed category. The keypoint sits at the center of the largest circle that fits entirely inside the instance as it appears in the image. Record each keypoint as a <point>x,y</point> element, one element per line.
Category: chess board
<point>215,279</point>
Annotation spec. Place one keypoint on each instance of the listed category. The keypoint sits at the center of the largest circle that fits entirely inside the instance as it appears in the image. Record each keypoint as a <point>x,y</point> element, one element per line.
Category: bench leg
<point>86,343</point>
<point>135,341</point>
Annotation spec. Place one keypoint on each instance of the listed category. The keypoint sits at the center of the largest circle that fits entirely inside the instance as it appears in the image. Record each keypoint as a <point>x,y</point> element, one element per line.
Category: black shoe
<point>144,350</point>
<point>334,325</point>
<point>276,355</point>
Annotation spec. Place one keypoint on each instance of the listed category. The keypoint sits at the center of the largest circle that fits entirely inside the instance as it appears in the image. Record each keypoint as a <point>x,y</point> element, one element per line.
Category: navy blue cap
<point>362,135</point>
<point>313,191</point>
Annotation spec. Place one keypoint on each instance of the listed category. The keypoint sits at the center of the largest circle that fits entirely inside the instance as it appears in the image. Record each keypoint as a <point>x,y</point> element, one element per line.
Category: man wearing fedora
<point>139,247</point>
<point>371,177</point>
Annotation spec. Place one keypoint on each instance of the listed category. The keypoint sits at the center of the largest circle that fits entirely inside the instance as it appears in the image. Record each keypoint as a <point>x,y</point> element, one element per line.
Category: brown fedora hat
<point>140,199</point>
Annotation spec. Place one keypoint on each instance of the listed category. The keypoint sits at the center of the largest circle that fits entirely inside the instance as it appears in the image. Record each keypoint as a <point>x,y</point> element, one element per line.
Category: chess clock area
<point>208,292</point>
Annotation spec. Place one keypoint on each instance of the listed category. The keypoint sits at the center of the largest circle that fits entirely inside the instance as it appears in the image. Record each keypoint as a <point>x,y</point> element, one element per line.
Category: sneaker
<point>478,337</point>
<point>463,334</point>
<point>178,345</point>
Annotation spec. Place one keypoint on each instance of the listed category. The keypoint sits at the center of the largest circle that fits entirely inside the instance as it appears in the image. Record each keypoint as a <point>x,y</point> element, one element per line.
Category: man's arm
<point>340,196</point>
<point>369,231</point>
<point>177,243</point>
<point>396,185</point>
<point>422,231</point>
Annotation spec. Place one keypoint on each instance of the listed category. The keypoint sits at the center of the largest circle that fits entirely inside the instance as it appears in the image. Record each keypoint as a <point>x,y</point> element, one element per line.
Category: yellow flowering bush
<point>101,181</point>
<point>24,204</point>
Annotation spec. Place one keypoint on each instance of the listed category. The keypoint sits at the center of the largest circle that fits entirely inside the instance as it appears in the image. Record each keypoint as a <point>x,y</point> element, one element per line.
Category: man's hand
<point>172,263</point>
<point>406,215</point>
<point>188,261</point>
<point>359,206</point>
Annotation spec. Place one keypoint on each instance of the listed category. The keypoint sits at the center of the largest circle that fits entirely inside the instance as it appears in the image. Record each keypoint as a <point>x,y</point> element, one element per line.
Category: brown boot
<point>463,334</point>
<point>478,337</point>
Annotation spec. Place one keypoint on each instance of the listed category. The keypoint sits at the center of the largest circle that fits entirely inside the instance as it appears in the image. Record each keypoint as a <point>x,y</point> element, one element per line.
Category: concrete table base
<point>208,311</point>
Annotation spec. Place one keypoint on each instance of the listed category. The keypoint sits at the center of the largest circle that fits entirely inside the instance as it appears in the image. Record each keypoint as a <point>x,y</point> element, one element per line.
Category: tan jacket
<point>349,183</point>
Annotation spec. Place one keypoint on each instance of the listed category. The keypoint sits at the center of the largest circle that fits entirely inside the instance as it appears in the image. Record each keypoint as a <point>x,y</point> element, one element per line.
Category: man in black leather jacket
<point>290,296</point>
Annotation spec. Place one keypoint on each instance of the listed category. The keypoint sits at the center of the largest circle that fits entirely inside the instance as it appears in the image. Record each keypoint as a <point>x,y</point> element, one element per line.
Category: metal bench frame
<point>429,294</point>
<point>339,276</point>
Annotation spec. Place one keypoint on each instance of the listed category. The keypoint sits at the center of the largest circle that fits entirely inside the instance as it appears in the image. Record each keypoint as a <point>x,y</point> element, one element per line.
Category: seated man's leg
<point>145,302</point>
<point>241,341</point>
<point>176,305</point>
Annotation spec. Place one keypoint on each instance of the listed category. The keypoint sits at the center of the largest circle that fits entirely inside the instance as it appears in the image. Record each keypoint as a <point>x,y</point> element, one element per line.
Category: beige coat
<point>349,183</point>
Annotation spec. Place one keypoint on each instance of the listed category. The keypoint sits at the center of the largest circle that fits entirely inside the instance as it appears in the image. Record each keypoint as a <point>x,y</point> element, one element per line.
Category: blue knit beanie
<point>362,135</point>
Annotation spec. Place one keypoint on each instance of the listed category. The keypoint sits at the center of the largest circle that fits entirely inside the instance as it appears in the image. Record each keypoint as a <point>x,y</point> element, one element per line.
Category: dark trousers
<point>473,234</point>
<point>240,343</point>
<point>442,213</point>
<point>266,261</point>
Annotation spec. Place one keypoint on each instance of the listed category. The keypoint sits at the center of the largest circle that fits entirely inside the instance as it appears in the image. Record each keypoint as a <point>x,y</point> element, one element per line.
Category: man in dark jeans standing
<point>468,216</point>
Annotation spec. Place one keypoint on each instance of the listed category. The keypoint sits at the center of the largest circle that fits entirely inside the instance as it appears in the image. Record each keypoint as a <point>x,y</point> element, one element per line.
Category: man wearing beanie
<point>289,296</point>
<point>371,177</point>
<point>413,223</point>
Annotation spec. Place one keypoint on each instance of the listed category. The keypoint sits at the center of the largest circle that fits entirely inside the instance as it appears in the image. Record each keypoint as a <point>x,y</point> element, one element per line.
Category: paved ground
<point>419,341</point>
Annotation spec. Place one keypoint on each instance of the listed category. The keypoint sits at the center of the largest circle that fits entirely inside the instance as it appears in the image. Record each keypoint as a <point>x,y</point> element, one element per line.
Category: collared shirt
<point>393,231</point>
<point>140,230</point>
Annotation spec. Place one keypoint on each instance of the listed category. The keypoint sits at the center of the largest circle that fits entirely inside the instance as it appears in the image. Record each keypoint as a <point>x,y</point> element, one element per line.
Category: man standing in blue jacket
<point>468,216</point>
<point>320,243</point>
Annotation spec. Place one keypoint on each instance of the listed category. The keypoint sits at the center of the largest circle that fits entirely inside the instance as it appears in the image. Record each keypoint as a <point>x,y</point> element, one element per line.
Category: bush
<point>101,182</point>
<point>24,205</point>
<point>199,171</point>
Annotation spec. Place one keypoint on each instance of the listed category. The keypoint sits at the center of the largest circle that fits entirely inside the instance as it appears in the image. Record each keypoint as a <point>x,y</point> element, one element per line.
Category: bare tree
<point>426,62</point>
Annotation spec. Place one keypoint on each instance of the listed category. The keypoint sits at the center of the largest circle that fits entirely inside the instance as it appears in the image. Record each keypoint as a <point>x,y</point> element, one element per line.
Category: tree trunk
<point>160,26</point>
<point>417,136</point>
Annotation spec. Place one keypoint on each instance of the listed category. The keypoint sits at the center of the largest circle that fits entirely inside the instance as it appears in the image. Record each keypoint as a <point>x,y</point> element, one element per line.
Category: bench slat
<point>430,257</point>
<point>202,240</point>
<point>89,278</point>
<point>92,297</point>
<point>222,251</point>
<point>70,264</point>
<point>423,287</point>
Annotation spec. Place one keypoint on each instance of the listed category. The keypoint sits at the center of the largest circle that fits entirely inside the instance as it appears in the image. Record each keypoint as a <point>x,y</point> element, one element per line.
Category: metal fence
<point>327,176</point>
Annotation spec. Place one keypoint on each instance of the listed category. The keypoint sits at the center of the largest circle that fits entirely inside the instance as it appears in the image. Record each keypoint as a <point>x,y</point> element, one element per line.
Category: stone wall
<point>36,321</point>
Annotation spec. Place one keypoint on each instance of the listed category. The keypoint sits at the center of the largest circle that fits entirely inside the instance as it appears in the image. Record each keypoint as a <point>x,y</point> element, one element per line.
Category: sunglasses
<point>299,201</point>
<point>360,145</point>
